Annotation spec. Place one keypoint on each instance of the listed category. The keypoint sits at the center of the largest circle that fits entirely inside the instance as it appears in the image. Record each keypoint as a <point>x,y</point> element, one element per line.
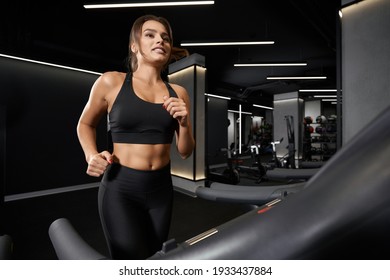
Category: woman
<point>135,195</point>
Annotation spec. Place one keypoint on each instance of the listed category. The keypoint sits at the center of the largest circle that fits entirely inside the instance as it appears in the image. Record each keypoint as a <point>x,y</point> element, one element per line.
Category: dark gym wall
<point>43,105</point>
<point>345,2</point>
<point>2,165</point>
<point>365,63</point>
<point>217,128</point>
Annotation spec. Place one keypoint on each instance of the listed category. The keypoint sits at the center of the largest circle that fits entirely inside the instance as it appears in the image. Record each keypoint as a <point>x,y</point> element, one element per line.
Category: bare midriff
<point>142,156</point>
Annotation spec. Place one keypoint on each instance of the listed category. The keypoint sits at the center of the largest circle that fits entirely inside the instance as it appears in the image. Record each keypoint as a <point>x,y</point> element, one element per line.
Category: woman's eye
<point>152,36</point>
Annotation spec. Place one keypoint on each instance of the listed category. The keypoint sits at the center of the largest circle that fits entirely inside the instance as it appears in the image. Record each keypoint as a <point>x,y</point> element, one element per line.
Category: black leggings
<point>135,209</point>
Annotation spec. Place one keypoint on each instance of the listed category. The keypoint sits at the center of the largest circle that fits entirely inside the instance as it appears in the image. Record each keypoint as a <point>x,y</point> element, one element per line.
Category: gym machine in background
<point>288,107</point>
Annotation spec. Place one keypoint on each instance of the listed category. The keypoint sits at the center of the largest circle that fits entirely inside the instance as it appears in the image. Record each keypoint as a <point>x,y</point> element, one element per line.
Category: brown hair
<point>135,33</point>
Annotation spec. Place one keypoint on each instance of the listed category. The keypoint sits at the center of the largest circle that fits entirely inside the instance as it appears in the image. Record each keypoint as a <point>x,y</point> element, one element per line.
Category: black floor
<point>27,221</point>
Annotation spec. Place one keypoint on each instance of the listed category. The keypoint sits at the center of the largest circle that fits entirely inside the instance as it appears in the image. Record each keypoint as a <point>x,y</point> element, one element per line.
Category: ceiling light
<point>201,44</point>
<point>240,112</point>
<point>329,100</point>
<point>318,90</point>
<point>261,106</point>
<point>297,78</point>
<point>269,64</point>
<point>50,64</point>
<point>325,96</point>
<point>218,96</point>
<point>146,4</point>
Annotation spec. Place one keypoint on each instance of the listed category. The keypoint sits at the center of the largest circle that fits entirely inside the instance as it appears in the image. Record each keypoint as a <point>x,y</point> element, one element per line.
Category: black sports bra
<point>134,120</point>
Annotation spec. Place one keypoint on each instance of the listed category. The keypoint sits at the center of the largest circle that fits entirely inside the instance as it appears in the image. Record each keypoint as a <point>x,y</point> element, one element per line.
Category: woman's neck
<point>149,75</point>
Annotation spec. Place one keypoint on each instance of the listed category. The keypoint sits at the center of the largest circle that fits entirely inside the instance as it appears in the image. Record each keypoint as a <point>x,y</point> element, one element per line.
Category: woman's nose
<point>159,39</point>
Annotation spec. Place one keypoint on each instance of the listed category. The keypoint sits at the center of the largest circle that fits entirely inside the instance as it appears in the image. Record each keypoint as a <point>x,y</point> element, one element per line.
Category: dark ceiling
<point>303,30</point>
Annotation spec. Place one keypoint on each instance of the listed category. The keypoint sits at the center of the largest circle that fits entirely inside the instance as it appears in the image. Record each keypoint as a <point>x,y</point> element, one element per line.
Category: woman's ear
<point>134,48</point>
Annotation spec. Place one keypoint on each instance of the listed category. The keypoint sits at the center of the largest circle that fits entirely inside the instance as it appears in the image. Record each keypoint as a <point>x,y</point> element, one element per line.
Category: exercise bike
<point>230,174</point>
<point>287,160</point>
<point>256,169</point>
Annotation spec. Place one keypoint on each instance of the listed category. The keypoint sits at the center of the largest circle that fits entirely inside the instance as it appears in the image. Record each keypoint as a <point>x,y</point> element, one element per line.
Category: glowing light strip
<point>201,236</point>
<point>318,90</point>
<point>269,64</point>
<point>217,96</point>
<point>261,106</point>
<point>50,64</point>
<point>239,129</point>
<point>152,4</point>
<point>226,43</point>
<point>330,100</point>
<point>325,96</point>
<point>237,112</point>
<point>297,78</point>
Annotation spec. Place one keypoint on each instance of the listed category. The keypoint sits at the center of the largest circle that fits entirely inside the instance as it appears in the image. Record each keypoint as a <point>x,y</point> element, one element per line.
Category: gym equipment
<point>307,140</point>
<point>256,169</point>
<point>308,120</point>
<point>287,160</point>
<point>6,247</point>
<point>289,174</point>
<point>277,169</point>
<point>325,143</point>
<point>230,175</point>
<point>272,169</point>
<point>280,162</point>
<point>349,197</point>
<point>68,244</point>
<point>291,142</point>
<point>320,129</point>
<point>311,164</point>
<point>332,118</point>
<point>254,195</point>
<point>321,119</point>
<point>276,162</point>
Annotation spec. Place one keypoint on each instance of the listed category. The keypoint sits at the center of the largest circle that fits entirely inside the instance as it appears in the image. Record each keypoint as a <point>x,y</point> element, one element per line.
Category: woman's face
<point>154,44</point>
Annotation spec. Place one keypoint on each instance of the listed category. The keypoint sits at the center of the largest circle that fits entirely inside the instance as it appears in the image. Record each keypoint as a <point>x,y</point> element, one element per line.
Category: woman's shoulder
<point>108,83</point>
<point>180,91</point>
<point>112,78</point>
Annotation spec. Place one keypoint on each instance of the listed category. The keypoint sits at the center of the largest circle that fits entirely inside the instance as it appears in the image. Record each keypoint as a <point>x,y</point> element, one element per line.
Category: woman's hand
<point>97,163</point>
<point>177,108</point>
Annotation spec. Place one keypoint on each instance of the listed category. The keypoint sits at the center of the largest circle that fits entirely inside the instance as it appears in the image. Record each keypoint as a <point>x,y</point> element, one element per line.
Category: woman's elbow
<point>185,155</point>
<point>186,152</point>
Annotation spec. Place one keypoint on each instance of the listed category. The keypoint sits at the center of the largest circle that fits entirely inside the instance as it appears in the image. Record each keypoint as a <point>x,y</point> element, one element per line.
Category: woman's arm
<point>95,108</point>
<point>179,108</point>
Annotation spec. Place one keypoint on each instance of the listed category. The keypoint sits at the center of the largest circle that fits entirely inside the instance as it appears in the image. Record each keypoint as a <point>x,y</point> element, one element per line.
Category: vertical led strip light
<point>239,129</point>
<point>146,4</point>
